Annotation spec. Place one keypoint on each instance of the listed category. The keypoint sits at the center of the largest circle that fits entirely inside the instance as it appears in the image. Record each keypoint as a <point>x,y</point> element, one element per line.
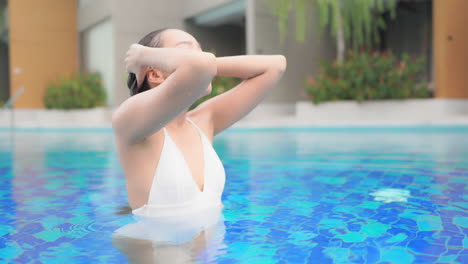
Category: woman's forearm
<point>249,66</point>
<point>191,74</point>
<point>169,59</point>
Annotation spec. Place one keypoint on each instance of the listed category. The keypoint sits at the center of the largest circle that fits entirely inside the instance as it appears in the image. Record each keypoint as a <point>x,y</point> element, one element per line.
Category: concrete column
<point>43,45</point>
<point>450,48</point>
<point>250,27</point>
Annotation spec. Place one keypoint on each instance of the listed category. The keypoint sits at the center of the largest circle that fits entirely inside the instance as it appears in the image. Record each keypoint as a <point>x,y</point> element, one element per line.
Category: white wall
<point>98,54</point>
<point>91,13</point>
<point>132,20</point>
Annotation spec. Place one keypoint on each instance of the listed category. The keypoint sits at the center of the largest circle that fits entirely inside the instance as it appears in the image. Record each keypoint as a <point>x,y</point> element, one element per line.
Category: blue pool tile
<point>388,219</point>
<point>406,223</point>
<point>425,258</point>
<point>396,255</point>
<point>419,245</point>
<point>317,256</point>
<point>429,223</point>
<point>293,254</point>
<point>451,227</point>
<point>461,221</point>
<point>278,234</point>
<point>26,240</point>
<point>426,235</point>
<point>31,228</point>
<point>354,227</point>
<point>456,242</point>
<point>11,250</point>
<point>373,254</point>
<point>228,261</point>
<point>447,259</point>
<point>28,256</point>
<point>462,258</point>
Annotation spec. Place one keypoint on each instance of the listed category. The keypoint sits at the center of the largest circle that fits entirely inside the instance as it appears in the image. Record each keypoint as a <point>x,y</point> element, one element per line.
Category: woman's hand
<point>133,62</point>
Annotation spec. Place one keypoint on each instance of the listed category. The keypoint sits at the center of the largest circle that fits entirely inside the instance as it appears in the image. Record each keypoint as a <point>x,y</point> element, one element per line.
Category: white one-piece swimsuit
<point>177,211</point>
<point>174,191</point>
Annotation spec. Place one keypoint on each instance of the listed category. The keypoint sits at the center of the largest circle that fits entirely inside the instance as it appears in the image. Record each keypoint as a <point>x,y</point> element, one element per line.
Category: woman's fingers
<point>140,75</point>
<point>132,58</point>
<point>132,64</point>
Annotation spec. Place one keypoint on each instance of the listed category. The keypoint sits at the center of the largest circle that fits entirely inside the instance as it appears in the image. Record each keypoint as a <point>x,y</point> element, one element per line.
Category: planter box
<point>41,118</point>
<point>415,111</point>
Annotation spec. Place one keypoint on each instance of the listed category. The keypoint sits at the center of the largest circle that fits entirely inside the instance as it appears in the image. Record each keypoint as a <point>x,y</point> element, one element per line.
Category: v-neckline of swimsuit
<point>201,135</point>
<point>174,189</point>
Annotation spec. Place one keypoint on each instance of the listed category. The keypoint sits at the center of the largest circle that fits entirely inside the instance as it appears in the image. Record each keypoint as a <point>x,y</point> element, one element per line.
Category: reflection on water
<point>176,239</point>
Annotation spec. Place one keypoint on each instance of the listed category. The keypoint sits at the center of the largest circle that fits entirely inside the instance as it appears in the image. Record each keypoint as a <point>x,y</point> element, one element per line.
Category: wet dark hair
<point>153,40</point>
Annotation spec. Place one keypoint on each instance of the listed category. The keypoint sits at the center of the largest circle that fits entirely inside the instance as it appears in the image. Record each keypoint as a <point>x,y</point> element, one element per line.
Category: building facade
<point>225,27</point>
<point>56,37</point>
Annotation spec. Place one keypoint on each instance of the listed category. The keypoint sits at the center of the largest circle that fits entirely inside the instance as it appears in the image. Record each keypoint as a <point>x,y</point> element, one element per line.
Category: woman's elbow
<point>204,64</point>
<point>277,65</point>
<point>282,63</point>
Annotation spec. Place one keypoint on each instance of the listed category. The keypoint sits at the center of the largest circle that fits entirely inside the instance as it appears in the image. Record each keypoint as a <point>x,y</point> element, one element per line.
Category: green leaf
<point>301,12</point>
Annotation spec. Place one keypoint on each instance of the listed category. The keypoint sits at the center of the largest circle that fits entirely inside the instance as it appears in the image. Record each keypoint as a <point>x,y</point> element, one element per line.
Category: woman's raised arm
<point>260,74</point>
<point>145,113</point>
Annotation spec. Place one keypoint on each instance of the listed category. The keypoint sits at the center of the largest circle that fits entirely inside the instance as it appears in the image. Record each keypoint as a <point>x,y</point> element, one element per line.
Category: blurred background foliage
<point>353,23</point>
<point>358,73</point>
<point>369,76</point>
<point>82,90</point>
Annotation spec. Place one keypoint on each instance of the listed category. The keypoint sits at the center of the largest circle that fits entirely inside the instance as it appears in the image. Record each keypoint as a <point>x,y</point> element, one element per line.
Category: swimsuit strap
<point>193,123</point>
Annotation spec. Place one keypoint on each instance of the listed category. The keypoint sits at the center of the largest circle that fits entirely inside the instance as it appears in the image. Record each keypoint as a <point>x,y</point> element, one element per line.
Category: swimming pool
<point>324,195</point>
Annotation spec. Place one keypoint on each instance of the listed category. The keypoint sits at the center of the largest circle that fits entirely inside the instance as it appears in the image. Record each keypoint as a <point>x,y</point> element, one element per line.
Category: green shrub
<point>220,84</point>
<point>369,76</point>
<point>79,91</point>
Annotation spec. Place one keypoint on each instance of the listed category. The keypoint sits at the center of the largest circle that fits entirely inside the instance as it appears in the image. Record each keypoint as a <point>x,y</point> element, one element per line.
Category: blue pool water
<point>339,195</point>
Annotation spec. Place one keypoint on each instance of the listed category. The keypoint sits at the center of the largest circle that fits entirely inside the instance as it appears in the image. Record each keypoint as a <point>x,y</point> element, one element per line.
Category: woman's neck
<point>178,122</point>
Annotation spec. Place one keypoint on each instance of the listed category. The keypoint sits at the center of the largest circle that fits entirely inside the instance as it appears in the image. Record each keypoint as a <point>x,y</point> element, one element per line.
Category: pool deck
<point>418,112</point>
<point>292,121</point>
<point>282,121</point>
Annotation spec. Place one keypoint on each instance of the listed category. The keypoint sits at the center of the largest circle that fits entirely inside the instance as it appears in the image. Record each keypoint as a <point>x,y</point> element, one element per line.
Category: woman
<point>166,151</point>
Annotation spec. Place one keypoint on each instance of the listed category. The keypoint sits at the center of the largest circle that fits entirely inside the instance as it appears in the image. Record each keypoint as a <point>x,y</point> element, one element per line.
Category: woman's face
<point>174,38</point>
